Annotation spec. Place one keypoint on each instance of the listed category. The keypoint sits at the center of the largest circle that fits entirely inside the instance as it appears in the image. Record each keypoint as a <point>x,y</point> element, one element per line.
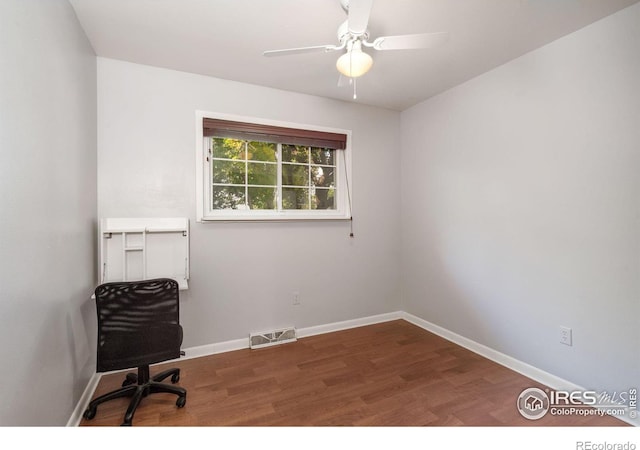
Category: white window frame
<point>203,178</point>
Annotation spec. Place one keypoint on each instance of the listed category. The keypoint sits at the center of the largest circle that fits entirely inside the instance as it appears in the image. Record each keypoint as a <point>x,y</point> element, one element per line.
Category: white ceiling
<point>226,38</point>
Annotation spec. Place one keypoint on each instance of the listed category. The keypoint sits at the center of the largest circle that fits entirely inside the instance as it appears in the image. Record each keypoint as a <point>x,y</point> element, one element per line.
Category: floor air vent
<point>259,340</point>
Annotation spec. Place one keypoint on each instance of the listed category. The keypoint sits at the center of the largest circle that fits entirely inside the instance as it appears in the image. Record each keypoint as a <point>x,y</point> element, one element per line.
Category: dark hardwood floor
<point>388,374</point>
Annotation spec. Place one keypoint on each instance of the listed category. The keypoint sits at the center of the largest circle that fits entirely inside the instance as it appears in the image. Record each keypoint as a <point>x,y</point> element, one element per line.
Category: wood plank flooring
<point>388,374</point>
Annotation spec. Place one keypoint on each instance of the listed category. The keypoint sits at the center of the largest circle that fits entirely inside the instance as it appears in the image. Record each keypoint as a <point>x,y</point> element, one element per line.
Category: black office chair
<point>138,325</point>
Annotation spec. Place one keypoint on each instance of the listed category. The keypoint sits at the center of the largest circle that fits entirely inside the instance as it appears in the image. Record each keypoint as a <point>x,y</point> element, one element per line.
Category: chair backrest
<point>138,323</point>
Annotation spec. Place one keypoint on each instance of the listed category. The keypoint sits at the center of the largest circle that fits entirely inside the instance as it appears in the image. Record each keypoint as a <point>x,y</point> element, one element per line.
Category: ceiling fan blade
<point>295,51</point>
<point>358,17</point>
<point>410,41</point>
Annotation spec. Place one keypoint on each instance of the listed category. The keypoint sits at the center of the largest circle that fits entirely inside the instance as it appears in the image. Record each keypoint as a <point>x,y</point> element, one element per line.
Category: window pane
<point>323,199</point>
<point>228,172</point>
<point>261,151</point>
<point>295,175</point>
<point>324,156</point>
<point>262,173</point>
<point>244,175</point>
<point>228,148</point>
<point>295,153</point>
<point>227,197</point>
<point>295,198</point>
<point>322,176</point>
<point>262,198</point>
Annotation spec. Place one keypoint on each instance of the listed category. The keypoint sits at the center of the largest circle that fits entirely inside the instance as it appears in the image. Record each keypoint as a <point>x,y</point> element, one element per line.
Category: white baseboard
<point>213,349</point>
<point>507,361</point>
<point>345,325</point>
<point>239,344</point>
<point>85,398</point>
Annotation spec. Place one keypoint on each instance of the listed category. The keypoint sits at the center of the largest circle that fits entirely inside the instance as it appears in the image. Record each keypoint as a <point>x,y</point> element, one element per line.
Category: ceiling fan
<point>353,35</point>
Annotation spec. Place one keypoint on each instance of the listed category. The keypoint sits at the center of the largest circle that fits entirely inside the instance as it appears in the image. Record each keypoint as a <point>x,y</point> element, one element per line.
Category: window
<point>259,171</point>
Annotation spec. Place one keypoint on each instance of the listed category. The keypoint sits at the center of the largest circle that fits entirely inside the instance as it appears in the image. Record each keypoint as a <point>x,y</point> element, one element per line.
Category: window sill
<point>273,218</point>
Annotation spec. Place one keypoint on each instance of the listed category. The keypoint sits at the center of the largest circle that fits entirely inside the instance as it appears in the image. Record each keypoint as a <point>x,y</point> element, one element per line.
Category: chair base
<point>138,386</point>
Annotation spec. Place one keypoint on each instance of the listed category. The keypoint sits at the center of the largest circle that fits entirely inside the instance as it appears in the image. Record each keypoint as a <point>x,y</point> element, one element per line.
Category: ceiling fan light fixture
<point>354,63</point>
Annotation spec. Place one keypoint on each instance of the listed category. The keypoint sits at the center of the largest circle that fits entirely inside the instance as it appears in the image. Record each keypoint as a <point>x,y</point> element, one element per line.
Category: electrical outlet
<point>296,298</point>
<point>565,336</point>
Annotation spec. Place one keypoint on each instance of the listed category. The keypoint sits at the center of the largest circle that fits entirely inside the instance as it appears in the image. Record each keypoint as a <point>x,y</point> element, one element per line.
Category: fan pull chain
<point>346,177</point>
<point>351,72</point>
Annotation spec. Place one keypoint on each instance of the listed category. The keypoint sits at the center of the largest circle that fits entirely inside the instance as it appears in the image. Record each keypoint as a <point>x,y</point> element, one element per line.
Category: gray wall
<point>243,275</point>
<point>521,206</point>
<point>48,211</point>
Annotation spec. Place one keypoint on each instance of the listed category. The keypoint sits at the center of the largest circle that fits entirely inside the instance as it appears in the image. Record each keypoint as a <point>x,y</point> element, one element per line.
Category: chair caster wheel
<point>90,413</point>
<point>131,378</point>
<point>181,402</point>
<point>175,378</point>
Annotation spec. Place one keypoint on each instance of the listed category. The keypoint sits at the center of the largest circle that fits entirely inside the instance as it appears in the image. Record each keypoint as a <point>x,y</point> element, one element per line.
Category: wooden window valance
<point>269,133</point>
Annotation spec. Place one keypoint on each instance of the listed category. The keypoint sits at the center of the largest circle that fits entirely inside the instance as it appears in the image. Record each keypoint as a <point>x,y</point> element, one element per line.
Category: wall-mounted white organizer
<point>133,249</point>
